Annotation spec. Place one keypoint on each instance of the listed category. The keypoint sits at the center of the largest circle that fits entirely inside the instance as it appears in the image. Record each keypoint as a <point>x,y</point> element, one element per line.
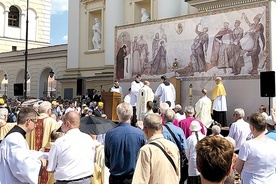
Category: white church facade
<point>87,62</point>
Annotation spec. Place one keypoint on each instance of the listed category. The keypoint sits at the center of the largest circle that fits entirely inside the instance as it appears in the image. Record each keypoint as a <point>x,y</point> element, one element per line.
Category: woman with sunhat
<point>194,175</point>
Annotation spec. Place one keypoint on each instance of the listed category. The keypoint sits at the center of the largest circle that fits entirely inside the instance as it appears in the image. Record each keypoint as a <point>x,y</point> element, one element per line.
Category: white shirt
<point>127,98</point>
<point>179,117</point>
<point>18,164</point>
<point>191,153</point>
<point>265,114</point>
<point>166,93</point>
<point>260,161</point>
<point>117,90</point>
<point>135,87</point>
<point>239,131</point>
<point>72,156</point>
<point>219,104</point>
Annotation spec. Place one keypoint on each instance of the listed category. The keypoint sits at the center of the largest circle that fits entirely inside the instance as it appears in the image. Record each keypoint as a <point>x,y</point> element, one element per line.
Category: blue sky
<point>59,22</point>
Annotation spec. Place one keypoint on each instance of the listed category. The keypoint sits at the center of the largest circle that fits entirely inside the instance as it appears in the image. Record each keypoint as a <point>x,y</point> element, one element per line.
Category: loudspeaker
<point>267,84</point>
<point>79,87</point>
<point>18,89</point>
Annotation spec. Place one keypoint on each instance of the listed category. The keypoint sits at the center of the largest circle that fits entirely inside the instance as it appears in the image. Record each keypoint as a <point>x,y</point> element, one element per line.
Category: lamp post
<point>5,83</point>
<point>51,74</point>
<point>26,51</point>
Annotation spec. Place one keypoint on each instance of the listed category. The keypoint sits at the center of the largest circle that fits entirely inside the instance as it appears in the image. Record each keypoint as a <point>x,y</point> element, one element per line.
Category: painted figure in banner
<point>155,45</point>
<point>143,46</point>
<point>237,50</point>
<point>222,53</point>
<point>136,54</point>
<point>255,33</point>
<point>199,50</point>
<point>159,65</point>
<point>120,62</point>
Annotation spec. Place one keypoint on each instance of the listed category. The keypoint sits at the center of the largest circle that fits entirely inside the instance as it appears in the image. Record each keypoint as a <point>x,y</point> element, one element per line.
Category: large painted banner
<point>232,43</point>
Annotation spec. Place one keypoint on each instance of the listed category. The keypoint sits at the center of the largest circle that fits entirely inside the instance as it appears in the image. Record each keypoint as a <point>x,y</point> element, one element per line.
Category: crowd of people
<point>42,142</point>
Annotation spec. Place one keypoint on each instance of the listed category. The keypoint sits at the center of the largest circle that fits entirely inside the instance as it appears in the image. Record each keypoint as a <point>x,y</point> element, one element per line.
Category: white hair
<point>216,129</point>
<point>178,106</point>
<point>44,107</point>
<point>3,112</point>
<point>163,107</point>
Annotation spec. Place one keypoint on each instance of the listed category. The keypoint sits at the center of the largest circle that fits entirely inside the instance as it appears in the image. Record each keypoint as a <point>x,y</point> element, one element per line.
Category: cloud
<point>59,6</point>
<point>65,37</point>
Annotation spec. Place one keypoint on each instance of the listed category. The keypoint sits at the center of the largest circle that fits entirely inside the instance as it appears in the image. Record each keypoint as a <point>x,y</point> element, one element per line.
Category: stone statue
<point>145,16</point>
<point>96,40</point>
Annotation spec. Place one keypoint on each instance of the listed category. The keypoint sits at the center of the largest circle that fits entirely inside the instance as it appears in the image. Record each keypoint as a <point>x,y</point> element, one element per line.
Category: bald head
<point>147,83</point>
<point>73,118</point>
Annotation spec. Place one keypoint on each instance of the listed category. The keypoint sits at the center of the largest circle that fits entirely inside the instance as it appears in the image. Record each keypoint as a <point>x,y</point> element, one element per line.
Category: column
<point>114,16</point>
<point>168,9</point>
<point>73,34</point>
<point>6,16</point>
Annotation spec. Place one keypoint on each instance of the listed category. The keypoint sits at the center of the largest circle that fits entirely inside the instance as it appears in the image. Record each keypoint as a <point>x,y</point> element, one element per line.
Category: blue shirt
<point>271,134</point>
<point>122,145</point>
<point>179,135</point>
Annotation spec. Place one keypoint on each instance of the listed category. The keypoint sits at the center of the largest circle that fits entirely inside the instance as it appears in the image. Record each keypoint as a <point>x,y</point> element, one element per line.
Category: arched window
<point>14,17</point>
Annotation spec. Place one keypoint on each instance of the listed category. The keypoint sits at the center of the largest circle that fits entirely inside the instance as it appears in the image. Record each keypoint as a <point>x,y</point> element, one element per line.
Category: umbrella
<point>96,125</point>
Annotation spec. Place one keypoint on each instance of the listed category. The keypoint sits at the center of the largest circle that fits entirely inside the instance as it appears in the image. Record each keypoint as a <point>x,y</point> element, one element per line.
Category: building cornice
<point>23,40</point>
<point>35,54</point>
<point>220,4</point>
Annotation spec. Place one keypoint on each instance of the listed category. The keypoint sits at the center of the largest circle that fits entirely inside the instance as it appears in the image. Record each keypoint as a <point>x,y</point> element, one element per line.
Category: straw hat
<point>195,126</point>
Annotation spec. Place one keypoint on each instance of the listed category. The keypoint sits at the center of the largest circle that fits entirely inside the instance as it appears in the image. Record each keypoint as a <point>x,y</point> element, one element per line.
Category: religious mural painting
<point>231,43</point>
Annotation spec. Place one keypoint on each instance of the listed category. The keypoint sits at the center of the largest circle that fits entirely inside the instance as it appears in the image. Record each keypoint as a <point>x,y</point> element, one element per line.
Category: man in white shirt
<point>203,109</point>
<point>239,130</point>
<point>70,108</point>
<point>136,85</point>
<point>145,94</point>
<point>71,157</point>
<point>166,92</point>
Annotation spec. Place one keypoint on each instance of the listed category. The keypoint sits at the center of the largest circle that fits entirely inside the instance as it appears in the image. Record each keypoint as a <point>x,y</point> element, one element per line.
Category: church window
<point>13,17</point>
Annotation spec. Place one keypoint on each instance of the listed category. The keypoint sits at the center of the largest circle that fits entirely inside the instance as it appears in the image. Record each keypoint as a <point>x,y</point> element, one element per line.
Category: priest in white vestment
<point>166,92</point>
<point>203,109</point>
<point>117,88</point>
<point>145,94</point>
<point>219,102</point>
<point>136,85</point>
<point>19,164</point>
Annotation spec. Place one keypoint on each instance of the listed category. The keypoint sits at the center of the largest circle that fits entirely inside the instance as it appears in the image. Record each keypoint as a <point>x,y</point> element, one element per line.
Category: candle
<point>191,92</point>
